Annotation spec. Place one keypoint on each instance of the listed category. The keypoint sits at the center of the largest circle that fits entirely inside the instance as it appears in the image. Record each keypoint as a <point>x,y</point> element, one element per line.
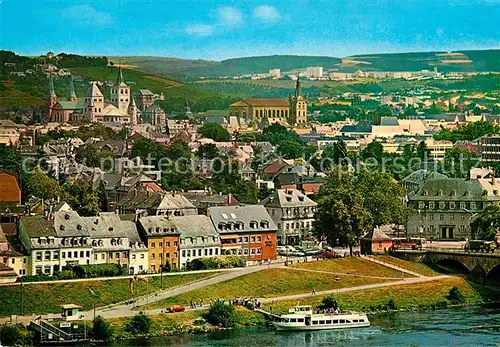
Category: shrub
<point>220,262</point>
<point>442,304</point>
<point>11,335</point>
<point>36,278</point>
<point>391,305</point>
<point>65,275</point>
<point>139,324</point>
<point>221,314</point>
<point>455,296</point>
<point>329,302</point>
<point>101,329</point>
<point>98,270</point>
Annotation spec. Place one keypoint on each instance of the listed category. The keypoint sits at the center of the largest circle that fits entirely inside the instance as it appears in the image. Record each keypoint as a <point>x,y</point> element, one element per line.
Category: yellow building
<point>162,241</point>
<point>263,111</point>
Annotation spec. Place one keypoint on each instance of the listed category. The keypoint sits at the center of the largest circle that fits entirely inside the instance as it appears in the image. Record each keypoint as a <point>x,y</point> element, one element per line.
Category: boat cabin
<point>70,311</point>
<point>305,309</point>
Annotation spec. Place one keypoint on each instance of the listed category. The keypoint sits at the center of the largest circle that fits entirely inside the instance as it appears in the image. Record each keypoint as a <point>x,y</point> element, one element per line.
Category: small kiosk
<point>70,312</point>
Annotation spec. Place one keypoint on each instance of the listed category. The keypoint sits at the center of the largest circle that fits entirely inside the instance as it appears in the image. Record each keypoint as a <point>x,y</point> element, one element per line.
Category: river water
<point>470,326</point>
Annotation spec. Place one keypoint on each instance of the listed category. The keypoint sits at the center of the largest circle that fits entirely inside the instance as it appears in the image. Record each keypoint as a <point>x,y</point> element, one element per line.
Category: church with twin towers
<point>121,109</point>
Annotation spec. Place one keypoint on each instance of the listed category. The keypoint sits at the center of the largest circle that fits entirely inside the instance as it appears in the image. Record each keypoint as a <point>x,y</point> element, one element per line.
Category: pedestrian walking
<point>313,292</point>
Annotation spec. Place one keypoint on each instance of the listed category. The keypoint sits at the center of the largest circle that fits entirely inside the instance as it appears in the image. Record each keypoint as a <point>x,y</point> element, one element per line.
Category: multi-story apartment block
<point>178,240</point>
<point>67,239</point>
<point>443,207</point>
<point>489,148</point>
<point>247,231</point>
<point>293,213</point>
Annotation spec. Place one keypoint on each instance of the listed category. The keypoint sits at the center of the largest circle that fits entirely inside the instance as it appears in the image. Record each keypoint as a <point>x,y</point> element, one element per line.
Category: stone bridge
<point>482,266</point>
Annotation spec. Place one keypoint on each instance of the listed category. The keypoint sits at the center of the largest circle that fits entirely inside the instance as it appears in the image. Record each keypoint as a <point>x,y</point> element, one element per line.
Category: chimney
<point>493,181</point>
<point>229,198</point>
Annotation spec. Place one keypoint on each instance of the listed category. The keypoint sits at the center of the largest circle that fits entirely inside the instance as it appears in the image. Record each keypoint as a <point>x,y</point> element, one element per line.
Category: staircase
<point>45,329</point>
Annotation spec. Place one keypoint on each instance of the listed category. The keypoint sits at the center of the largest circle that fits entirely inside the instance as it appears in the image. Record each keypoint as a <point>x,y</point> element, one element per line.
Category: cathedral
<point>261,112</point>
<point>121,110</point>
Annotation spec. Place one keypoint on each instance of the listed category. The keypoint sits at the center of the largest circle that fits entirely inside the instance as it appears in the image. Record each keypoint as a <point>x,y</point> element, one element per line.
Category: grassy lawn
<point>409,265</point>
<point>416,295</point>
<point>354,266</point>
<point>46,298</point>
<point>265,284</point>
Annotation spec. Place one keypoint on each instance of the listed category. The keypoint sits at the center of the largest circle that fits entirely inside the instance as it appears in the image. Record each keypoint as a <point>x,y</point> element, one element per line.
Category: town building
<point>12,253</point>
<point>314,71</point>
<point>293,213</point>
<point>162,240</point>
<point>204,199</point>
<point>376,242</point>
<point>246,231</point>
<point>443,207</point>
<point>144,98</point>
<point>489,149</point>
<point>198,238</point>
<point>64,111</point>
<point>264,111</point>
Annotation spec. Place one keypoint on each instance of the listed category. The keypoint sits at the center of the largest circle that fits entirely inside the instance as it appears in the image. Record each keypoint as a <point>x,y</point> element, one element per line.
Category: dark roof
<point>37,226</point>
<point>263,102</point>
<point>389,121</point>
<point>356,129</point>
<point>244,214</point>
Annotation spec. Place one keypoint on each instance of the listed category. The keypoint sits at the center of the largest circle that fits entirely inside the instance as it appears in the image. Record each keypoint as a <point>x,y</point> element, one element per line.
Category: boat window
<point>335,321</point>
<point>300,320</point>
<point>328,322</point>
<point>321,322</point>
<point>348,321</point>
<point>361,320</point>
<point>342,321</point>
<point>315,322</point>
<point>293,320</point>
<point>354,320</point>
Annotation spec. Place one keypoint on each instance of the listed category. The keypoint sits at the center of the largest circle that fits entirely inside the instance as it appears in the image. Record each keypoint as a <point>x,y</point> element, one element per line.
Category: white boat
<point>303,318</point>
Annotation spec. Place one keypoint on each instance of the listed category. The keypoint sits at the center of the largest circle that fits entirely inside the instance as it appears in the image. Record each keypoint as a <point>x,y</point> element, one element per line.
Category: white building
<point>293,213</point>
<point>275,73</point>
<point>314,71</point>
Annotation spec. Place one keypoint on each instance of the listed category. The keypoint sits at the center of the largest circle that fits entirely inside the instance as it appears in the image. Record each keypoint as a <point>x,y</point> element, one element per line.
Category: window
<point>111,255</point>
<point>133,256</point>
<point>103,256</point>
<point>421,204</point>
<point>259,238</point>
<point>153,244</point>
<point>252,239</point>
<point>431,204</point>
<point>95,257</point>
<point>38,256</point>
<point>441,216</point>
<point>183,252</point>
<point>160,244</point>
<point>47,255</point>
<point>56,255</point>
<point>142,256</point>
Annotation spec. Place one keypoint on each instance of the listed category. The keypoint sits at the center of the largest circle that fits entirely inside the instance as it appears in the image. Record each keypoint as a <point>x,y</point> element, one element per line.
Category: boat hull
<point>288,327</point>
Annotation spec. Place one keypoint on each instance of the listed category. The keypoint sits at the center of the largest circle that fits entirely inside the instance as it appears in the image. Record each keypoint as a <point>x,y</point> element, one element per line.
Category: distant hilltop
<point>456,61</point>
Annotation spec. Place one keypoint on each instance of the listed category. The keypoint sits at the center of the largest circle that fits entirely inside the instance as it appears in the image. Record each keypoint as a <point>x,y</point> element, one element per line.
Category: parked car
<point>176,308</point>
<point>313,251</point>
<point>296,253</point>
<point>330,254</point>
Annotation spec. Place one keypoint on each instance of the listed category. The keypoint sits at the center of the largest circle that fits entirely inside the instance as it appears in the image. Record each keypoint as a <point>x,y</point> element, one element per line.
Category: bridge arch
<point>454,265</point>
<point>478,273</point>
<point>493,275</point>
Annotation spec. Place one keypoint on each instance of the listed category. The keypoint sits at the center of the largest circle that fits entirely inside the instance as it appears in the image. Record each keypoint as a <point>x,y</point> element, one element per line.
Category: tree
<point>207,151</point>
<point>290,149</point>
<point>458,162</point>
<point>384,197</point>
<point>139,324</point>
<point>334,154</point>
<point>10,159</point>
<point>373,150</point>
<point>101,330</point>
<point>341,216</point>
<point>11,336</point>
<point>82,198</point>
<point>487,224</point>
<point>214,131</point>
<point>329,302</point>
<point>455,296</point>
<point>42,186</point>
<point>469,131</point>
<point>221,314</point>
<point>148,150</point>
<point>90,156</point>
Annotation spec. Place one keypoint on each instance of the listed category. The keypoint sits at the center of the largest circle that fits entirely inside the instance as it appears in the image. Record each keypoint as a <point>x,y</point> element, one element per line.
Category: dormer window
<point>440,192</point>
<point>467,193</point>
<point>453,192</point>
<point>61,227</point>
<point>222,226</point>
<point>150,230</point>
<point>495,192</point>
<point>79,227</point>
<point>425,192</point>
<point>110,229</point>
<point>264,224</point>
<point>66,216</point>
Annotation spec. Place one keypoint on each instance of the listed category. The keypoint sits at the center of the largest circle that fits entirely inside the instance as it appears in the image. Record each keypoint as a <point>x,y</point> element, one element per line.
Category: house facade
<point>293,213</point>
<point>246,231</point>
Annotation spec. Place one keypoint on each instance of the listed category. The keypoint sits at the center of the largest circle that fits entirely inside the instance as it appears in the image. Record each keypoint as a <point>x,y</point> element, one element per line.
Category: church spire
<point>72,94</point>
<point>51,92</point>
<point>119,78</point>
<point>297,86</point>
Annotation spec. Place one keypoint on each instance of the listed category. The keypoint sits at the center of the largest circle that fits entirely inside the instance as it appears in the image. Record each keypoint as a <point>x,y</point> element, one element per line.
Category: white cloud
<point>200,30</point>
<point>266,13</point>
<point>229,16</point>
<point>86,14</point>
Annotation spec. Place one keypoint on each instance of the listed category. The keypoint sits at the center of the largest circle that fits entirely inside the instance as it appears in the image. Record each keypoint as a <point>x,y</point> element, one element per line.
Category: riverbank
<point>407,297</point>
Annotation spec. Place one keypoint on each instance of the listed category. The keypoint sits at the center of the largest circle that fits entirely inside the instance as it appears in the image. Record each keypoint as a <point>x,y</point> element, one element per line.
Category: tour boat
<point>303,318</point>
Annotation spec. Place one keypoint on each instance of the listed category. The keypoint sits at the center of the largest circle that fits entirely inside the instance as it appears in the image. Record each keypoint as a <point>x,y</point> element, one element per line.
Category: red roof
<point>9,188</point>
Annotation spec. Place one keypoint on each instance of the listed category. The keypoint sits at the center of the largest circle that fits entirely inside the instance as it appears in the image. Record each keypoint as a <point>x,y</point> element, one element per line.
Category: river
<point>470,326</point>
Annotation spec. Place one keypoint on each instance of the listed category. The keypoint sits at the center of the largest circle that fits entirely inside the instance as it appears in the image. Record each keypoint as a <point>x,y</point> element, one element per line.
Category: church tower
<point>132,111</point>
<point>298,106</point>
<point>93,103</point>
<point>51,99</point>
<point>120,93</point>
<point>72,94</point>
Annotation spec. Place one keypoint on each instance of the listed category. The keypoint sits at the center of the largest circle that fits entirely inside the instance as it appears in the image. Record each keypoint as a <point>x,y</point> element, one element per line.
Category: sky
<point>216,30</point>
